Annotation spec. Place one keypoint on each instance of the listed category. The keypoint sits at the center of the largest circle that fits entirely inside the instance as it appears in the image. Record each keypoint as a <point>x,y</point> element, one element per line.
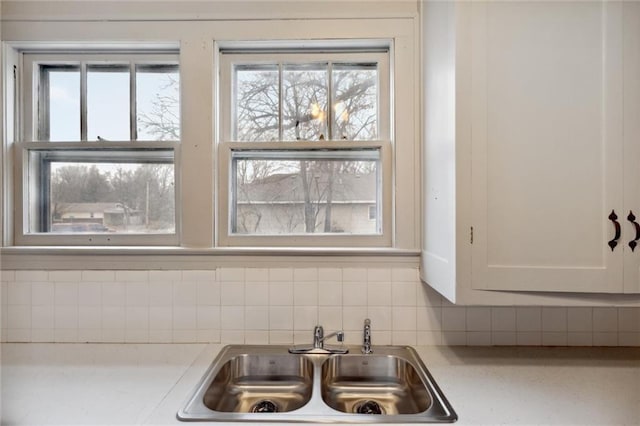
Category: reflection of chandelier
<point>316,112</point>
<point>341,111</point>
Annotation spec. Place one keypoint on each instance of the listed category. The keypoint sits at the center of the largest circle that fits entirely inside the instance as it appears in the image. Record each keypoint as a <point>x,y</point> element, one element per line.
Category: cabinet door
<point>631,59</point>
<point>546,146</point>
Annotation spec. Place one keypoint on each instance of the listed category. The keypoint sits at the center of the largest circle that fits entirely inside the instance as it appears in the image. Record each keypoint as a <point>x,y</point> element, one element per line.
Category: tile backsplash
<point>281,306</point>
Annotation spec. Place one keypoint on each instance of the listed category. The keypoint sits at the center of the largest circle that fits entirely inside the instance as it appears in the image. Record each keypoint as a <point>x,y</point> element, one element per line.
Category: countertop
<point>136,384</point>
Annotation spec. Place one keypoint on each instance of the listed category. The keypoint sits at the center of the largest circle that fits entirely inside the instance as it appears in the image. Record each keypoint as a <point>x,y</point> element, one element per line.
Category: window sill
<point>151,258</point>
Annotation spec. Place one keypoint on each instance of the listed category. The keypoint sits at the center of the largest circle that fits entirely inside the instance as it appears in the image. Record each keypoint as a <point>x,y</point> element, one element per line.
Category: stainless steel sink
<point>267,384</point>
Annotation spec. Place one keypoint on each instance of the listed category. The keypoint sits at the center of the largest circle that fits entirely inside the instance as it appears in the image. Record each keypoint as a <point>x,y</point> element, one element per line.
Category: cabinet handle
<point>613,218</point>
<point>634,243</point>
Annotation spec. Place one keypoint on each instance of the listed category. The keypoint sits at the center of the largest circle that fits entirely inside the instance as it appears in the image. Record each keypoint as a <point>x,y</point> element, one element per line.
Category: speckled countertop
<point>132,384</point>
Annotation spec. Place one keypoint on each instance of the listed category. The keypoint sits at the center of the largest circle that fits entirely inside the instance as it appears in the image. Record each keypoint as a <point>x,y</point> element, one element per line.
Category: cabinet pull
<point>634,243</point>
<point>613,218</point>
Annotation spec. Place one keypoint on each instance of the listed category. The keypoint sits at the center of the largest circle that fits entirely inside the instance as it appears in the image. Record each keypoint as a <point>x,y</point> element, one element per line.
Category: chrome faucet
<point>318,346</point>
<point>366,337</point>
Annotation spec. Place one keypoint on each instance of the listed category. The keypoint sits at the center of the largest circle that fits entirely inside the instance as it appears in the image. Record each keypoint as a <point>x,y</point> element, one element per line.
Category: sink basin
<point>267,384</point>
<point>373,384</point>
<point>260,383</point>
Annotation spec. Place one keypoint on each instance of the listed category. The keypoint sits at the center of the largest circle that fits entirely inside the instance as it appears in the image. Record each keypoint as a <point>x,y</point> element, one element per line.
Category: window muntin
<point>303,103</point>
<point>99,160</point>
<point>305,192</point>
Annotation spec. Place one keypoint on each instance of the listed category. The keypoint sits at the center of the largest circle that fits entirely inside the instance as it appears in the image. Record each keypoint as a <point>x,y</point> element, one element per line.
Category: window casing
<point>311,129</point>
<point>98,160</point>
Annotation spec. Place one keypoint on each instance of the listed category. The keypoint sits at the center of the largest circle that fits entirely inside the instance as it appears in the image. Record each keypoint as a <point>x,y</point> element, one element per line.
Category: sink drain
<point>368,407</point>
<point>264,406</point>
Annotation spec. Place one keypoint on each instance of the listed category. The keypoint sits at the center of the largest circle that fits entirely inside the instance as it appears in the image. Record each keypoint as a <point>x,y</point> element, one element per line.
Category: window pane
<point>158,102</point>
<point>321,192</point>
<point>256,103</point>
<point>355,101</point>
<point>104,191</point>
<point>108,103</point>
<point>304,100</point>
<point>64,103</point>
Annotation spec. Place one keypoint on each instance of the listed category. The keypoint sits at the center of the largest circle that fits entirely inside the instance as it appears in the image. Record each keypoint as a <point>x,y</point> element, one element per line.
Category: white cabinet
<point>541,118</point>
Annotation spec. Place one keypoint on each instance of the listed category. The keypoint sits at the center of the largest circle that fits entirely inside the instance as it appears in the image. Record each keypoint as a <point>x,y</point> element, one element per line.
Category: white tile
<point>42,317</point>
<point>554,319</point>
<point>354,293</point>
<point>384,338</point>
<point>42,335</point>
<point>280,274</point>
<point>503,319</point>
<point>605,338</point>
<point>89,317</point>
<point>550,338</point>
<point>580,319</point>
<point>579,339</point>
<point>129,276</point>
<point>184,318</point>
<point>161,293</point>
<point>381,318</point>
<point>378,274</point>
<point>330,317</point>
<point>208,293</point>
<point>184,336</point>
<point>305,293</point>
<point>232,293</point>
<point>454,318</point>
<point>353,318</point>
<point>256,274</point>
<point>305,317</point>
<point>478,338</point>
<point>354,274</point>
<point>98,276</point>
<point>281,317</point>
<point>529,338</point>
<point>137,294</point>
<point>113,318</point>
<point>281,293</point>
<point>31,276</point>
<point>253,337</point>
<point>160,336</point>
<point>19,316</point>
<point>113,294</point>
<point>66,317</point>
<point>205,275</point>
<point>68,276</point>
<point>478,319</point>
<point>232,318</point>
<point>19,335</point>
<point>528,318</point>
<point>301,337</point>
<point>404,274</point>
<point>208,317</point>
<point>7,275</point>
<point>281,337</point>
<point>429,318</point>
<point>66,293</point>
<point>232,337</point>
<point>62,335</point>
<point>379,294</point>
<point>256,318</point>
<point>208,335</point>
<point>629,339</point>
<point>629,320</point>
<point>432,338</point>
<point>19,293</point>
<point>230,274</point>
<point>132,335</point>
<point>305,274</point>
<point>90,294</point>
<point>404,338</point>
<point>427,296</point>
<point>330,293</point>
<point>454,338</point>
<point>137,317</point>
<point>404,294</point>
<point>605,320</point>
<point>503,338</point>
<point>185,294</point>
<point>330,274</point>
<point>404,318</point>
<point>257,293</point>
<point>164,276</point>
<point>161,318</point>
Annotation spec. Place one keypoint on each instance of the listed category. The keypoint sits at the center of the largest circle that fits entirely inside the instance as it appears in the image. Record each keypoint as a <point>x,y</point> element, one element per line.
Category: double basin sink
<point>268,384</point>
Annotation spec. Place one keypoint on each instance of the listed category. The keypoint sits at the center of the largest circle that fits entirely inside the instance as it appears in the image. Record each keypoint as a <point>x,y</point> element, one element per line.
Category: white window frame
<point>30,61</point>
<point>243,54</point>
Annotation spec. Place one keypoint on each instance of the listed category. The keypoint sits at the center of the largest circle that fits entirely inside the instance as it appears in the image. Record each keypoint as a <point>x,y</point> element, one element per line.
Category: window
<point>100,147</point>
<point>305,147</point>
